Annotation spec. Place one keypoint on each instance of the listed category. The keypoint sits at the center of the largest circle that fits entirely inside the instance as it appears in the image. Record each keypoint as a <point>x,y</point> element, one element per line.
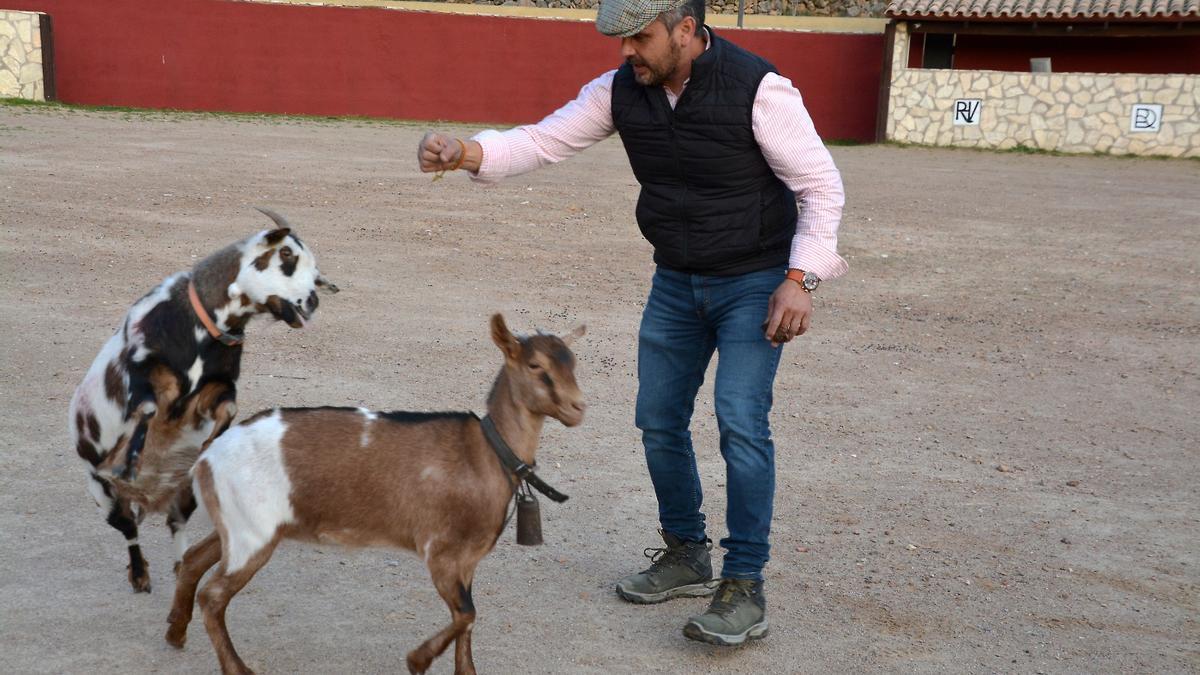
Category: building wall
<point>1068,112</point>
<point>382,62</point>
<point>21,74</point>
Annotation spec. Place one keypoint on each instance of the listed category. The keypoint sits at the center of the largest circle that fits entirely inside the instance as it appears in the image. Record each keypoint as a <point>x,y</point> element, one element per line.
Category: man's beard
<point>657,73</point>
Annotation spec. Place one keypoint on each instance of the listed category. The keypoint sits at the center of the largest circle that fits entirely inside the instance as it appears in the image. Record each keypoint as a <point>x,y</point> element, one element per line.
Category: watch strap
<point>797,275</point>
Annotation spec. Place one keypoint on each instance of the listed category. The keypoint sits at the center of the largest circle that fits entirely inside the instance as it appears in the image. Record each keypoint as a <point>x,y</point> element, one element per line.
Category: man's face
<point>654,53</point>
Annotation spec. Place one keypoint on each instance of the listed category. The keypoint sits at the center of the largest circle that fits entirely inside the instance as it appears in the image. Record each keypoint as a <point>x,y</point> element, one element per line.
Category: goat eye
<point>285,253</point>
<point>535,366</point>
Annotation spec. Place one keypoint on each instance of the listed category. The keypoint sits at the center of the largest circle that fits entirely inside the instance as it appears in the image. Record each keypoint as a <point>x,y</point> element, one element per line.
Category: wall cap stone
<point>813,24</point>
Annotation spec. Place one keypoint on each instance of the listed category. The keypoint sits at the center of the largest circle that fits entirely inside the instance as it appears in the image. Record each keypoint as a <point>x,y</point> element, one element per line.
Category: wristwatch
<point>807,280</point>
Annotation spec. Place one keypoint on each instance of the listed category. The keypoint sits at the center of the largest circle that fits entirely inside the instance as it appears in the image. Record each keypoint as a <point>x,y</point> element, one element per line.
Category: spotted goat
<point>165,384</point>
<point>430,483</point>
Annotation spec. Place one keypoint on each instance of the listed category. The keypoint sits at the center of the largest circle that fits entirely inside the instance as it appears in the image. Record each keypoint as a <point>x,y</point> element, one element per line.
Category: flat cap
<point>622,18</point>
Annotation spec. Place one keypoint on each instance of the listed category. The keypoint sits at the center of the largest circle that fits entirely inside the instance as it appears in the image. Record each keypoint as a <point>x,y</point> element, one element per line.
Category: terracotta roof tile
<point>1041,9</point>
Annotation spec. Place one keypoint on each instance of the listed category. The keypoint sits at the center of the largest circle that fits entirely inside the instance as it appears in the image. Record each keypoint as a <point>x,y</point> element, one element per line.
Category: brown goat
<point>426,482</point>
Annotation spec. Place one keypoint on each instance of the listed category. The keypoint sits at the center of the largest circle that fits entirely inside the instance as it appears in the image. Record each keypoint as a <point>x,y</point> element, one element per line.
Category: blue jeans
<point>687,318</point>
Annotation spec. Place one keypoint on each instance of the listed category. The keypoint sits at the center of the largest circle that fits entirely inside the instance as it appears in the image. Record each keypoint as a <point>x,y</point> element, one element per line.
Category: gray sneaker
<point>738,612</point>
<point>681,570</point>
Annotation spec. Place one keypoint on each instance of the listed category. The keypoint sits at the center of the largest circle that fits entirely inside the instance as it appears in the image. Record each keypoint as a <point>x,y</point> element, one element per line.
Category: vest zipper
<point>687,228</point>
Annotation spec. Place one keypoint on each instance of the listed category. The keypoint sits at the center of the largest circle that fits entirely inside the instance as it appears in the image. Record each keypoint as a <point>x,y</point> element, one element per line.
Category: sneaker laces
<point>662,557</point>
<point>724,602</point>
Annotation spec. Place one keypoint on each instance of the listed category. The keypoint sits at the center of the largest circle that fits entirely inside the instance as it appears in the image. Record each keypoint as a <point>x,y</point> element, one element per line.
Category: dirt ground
<point>987,445</point>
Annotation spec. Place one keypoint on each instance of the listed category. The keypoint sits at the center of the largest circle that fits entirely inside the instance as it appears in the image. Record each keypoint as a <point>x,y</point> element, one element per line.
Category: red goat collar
<point>202,314</point>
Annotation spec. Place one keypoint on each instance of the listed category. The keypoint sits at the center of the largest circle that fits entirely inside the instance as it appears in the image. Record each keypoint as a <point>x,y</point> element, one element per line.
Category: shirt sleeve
<point>572,128</point>
<point>794,151</point>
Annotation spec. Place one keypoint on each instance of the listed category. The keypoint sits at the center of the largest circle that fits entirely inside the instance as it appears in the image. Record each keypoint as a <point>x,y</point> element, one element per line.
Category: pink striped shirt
<point>782,127</point>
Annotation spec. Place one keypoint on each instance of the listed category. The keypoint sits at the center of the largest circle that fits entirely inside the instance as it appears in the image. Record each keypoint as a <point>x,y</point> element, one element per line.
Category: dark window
<point>939,50</point>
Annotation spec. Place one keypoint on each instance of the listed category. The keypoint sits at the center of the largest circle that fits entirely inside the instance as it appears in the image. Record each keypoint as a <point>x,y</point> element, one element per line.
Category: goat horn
<point>279,219</point>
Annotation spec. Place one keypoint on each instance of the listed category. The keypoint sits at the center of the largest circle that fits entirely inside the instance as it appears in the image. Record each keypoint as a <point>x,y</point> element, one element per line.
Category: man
<point>741,201</point>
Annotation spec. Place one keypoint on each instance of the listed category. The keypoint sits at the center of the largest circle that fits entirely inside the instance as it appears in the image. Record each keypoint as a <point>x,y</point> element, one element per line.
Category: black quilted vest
<point>709,202</point>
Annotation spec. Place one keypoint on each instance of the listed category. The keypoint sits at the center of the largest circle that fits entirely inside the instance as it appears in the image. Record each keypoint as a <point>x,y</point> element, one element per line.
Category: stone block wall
<point>21,70</point>
<point>1067,112</point>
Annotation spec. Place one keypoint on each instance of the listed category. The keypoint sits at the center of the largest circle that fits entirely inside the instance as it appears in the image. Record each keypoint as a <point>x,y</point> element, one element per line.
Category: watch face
<point>811,281</point>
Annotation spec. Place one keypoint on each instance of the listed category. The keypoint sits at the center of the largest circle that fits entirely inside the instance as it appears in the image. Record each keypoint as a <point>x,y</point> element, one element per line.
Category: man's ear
<point>689,26</point>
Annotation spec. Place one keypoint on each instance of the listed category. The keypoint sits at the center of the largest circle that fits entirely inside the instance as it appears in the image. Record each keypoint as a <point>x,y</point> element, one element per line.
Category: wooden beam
<point>48,90</point>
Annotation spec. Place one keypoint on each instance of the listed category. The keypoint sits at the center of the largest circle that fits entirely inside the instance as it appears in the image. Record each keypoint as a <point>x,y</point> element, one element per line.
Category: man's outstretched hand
<point>438,152</point>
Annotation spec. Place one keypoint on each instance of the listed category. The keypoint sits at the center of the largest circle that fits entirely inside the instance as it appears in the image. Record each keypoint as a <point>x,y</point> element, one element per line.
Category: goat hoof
<point>176,638</point>
<point>141,584</point>
<point>417,664</point>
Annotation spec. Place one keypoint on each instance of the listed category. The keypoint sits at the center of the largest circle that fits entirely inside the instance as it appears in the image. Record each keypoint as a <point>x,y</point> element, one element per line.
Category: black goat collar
<point>513,463</point>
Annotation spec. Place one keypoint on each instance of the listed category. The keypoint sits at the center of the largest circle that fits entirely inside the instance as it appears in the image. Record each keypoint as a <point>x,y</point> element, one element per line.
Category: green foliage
<point>167,114</point>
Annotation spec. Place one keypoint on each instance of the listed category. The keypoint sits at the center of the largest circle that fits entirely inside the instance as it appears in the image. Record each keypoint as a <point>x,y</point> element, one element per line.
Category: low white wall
<point>21,72</point>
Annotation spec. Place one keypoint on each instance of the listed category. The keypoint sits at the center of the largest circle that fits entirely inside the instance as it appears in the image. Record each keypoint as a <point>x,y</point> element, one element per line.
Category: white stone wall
<point>21,56</point>
<point>1067,112</point>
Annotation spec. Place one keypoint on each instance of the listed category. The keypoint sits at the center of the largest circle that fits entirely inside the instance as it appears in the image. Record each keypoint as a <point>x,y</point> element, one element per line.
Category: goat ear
<point>325,285</point>
<point>504,339</point>
<point>275,236</point>
<point>283,226</point>
<point>574,335</point>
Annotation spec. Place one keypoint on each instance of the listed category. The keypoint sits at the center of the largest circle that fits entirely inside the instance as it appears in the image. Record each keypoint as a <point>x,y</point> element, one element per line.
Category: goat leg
<point>183,504</point>
<point>195,563</point>
<point>215,597</point>
<point>464,664</point>
<point>154,388</point>
<point>127,472</point>
<point>142,405</point>
<point>457,595</point>
<point>222,415</point>
<point>122,519</point>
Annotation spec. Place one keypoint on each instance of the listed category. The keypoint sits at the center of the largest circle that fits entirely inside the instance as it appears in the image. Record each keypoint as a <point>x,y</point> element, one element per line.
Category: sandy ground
<point>987,445</point>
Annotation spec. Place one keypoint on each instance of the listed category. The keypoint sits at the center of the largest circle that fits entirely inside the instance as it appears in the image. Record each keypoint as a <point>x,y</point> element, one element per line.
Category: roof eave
<point>1049,17</point>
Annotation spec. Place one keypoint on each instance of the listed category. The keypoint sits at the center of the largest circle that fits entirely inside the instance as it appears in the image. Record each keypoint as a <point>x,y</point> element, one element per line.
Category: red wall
<point>1180,54</point>
<point>247,57</point>
<point>916,50</point>
<point>1167,54</point>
